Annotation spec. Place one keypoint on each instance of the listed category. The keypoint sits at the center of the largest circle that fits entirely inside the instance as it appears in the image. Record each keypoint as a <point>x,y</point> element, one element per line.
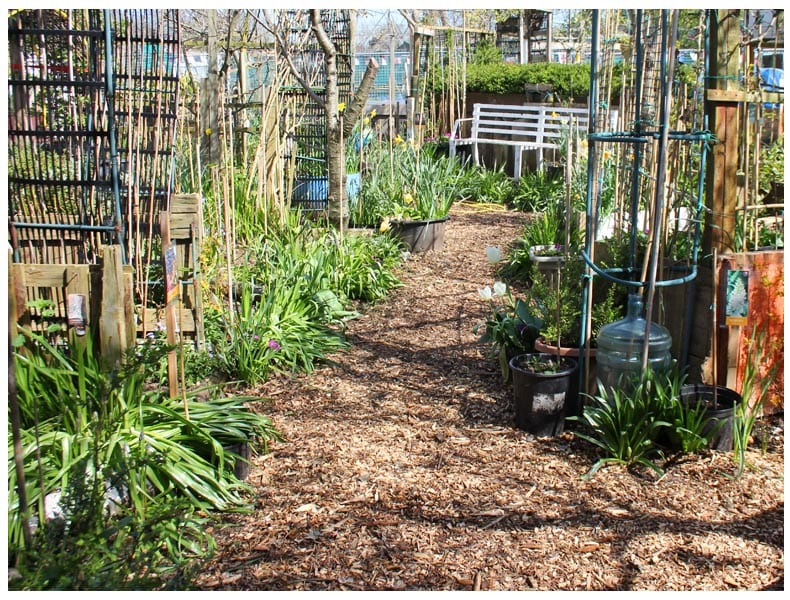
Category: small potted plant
<point>542,390</point>
<point>542,383</point>
<point>510,329</point>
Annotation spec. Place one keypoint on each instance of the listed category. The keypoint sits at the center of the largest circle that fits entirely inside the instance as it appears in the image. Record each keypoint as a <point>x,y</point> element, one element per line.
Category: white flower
<point>485,293</point>
<point>493,254</point>
<point>500,289</point>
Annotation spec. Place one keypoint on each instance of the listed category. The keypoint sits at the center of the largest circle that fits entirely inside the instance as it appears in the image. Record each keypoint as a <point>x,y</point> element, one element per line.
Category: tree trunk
<point>337,203</point>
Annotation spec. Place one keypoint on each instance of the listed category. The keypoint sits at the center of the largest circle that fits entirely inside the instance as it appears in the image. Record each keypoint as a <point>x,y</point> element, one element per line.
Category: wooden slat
<point>40,275</point>
<point>184,318</point>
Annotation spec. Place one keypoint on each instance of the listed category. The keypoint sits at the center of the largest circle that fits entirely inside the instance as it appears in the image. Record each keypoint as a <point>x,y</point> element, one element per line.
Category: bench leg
<point>540,159</point>
<point>476,154</point>
<point>517,163</point>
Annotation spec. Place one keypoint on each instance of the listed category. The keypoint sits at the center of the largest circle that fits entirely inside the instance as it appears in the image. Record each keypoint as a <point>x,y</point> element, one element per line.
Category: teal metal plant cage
<point>637,152</point>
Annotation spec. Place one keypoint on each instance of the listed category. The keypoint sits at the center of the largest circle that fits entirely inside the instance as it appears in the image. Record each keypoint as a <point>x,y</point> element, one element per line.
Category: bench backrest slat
<point>538,123</point>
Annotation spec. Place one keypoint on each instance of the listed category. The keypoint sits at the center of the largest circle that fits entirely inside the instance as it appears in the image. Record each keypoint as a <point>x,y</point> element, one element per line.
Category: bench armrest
<point>456,132</point>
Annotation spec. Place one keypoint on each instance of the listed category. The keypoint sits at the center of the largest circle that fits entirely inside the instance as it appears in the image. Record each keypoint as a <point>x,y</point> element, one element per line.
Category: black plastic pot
<point>720,403</point>
<point>419,236</point>
<point>542,399</point>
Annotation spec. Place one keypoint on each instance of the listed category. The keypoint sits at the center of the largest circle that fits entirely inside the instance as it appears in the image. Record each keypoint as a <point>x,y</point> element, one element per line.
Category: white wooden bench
<point>529,127</point>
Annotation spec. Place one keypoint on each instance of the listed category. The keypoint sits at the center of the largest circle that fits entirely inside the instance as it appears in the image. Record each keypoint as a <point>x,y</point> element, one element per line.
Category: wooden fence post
<point>112,322</point>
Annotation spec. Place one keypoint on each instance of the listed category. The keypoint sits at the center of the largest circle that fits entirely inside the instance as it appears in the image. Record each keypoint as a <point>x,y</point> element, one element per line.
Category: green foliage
<point>510,328</point>
<point>689,423</point>
<point>625,423</point>
<point>539,191</point>
<point>545,299</point>
<point>486,53</point>
<point>297,286</point>
<point>162,552</point>
<point>754,389</point>
<point>634,423</point>
<point>280,329</point>
<point>91,434</point>
<point>571,82</point>
<point>365,267</point>
<point>484,185</point>
<point>406,183</point>
<point>772,165</point>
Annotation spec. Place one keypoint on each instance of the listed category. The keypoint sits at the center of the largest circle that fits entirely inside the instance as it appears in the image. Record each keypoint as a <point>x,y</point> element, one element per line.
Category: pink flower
<point>274,345</point>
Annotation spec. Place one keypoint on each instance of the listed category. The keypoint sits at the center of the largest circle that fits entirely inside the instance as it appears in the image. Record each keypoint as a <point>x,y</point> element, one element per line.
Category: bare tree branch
<point>284,51</point>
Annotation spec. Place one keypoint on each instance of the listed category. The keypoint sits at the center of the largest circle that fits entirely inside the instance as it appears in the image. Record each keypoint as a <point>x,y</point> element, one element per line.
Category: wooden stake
<point>170,307</point>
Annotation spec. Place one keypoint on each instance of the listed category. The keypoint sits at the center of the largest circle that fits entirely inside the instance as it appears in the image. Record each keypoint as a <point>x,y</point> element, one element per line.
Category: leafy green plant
<point>753,391</point>
<point>364,268</point>
<point>482,185</point>
<point>121,456</point>
<point>560,309</point>
<point>689,425</point>
<point>539,191</point>
<point>772,165</point>
<point>279,330</point>
<point>510,328</point>
<point>407,183</point>
<point>570,82</point>
<point>625,424</point>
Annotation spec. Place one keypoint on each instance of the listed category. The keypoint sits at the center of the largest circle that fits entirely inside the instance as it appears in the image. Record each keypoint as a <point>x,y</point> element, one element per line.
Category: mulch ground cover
<point>402,469</point>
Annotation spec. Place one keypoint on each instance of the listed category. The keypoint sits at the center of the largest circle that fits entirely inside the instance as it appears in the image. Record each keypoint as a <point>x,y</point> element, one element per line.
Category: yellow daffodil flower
<point>385,224</point>
<point>341,107</point>
<point>408,198</point>
<point>398,139</point>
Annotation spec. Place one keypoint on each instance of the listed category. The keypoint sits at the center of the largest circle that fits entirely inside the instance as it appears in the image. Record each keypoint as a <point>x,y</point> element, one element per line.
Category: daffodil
<point>385,224</point>
<point>398,139</point>
<point>341,107</point>
<point>373,113</point>
<point>408,198</point>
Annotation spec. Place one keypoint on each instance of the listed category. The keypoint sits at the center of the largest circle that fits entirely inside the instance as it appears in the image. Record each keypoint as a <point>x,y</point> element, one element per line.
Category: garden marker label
<point>548,403</point>
<point>737,307</point>
<point>171,275</point>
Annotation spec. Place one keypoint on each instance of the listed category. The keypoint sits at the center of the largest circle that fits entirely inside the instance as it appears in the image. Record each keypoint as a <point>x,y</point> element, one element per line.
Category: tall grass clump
<point>117,475</point>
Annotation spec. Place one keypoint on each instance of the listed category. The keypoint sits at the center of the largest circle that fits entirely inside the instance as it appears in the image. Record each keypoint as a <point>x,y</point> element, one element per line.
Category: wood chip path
<point>402,470</point>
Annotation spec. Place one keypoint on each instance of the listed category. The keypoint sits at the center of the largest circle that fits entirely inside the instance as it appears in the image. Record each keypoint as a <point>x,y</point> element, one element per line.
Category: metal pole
<point>109,83</point>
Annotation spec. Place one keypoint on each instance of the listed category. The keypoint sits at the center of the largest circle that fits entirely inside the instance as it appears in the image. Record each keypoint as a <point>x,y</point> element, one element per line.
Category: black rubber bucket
<point>720,403</point>
<point>419,236</point>
<point>542,399</point>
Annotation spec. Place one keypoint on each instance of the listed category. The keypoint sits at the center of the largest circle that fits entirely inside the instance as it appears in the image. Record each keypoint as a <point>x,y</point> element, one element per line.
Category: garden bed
<point>402,469</point>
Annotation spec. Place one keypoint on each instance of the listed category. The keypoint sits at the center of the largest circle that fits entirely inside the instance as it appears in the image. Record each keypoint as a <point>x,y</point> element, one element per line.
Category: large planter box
<point>420,236</point>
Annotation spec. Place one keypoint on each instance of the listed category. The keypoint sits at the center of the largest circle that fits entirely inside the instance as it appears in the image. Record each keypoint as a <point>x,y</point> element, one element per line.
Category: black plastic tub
<point>720,403</point>
<point>542,400</point>
<point>420,236</point>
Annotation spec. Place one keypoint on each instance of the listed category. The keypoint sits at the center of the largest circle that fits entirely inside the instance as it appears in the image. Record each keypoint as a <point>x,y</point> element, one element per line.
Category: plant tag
<point>171,275</point>
<point>76,311</point>
<point>737,308</point>
<point>549,403</point>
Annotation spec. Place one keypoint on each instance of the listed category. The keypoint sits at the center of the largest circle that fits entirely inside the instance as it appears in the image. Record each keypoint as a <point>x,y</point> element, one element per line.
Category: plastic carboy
<point>620,346</point>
